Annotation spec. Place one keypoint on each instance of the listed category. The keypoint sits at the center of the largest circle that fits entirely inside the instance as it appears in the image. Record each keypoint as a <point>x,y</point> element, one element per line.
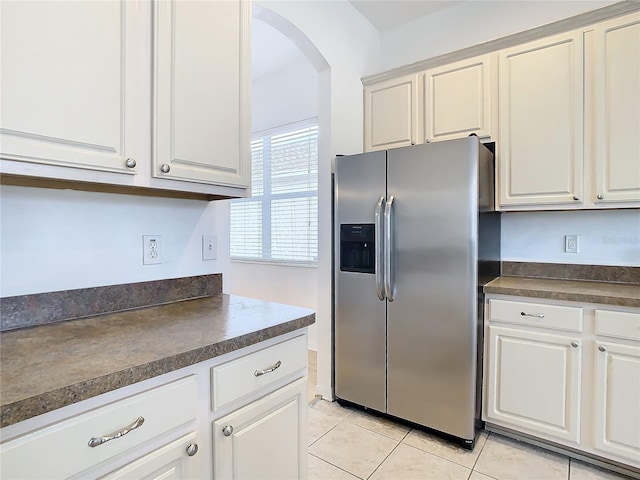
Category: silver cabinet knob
<point>574,344</point>
<point>130,163</point>
<point>227,430</point>
<point>600,196</point>
<point>602,348</point>
<point>192,449</point>
<point>576,198</point>
<point>165,168</point>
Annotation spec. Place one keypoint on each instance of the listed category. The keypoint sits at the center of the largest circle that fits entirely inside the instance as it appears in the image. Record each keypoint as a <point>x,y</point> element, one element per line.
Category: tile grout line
<point>332,428</point>
<point>384,460</point>
<point>473,467</point>
<point>339,468</point>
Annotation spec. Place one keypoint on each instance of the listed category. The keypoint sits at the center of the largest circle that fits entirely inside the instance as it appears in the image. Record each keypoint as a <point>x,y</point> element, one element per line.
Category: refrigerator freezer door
<point>431,370</point>
<point>360,316</point>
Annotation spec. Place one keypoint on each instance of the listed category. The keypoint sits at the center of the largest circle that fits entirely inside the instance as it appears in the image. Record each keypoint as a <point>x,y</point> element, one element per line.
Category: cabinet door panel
<point>70,83</point>
<point>534,382</point>
<point>201,92</point>
<point>457,100</point>
<point>170,462</point>
<point>266,439</point>
<point>541,122</point>
<point>617,94</point>
<point>617,396</point>
<point>390,113</point>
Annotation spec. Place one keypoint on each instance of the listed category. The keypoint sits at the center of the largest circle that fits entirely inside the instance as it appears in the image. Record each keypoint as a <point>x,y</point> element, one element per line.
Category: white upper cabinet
<point>563,110</point>
<point>71,81</point>
<point>201,96</point>
<point>540,151</point>
<point>457,100</point>
<point>95,91</point>
<point>391,114</point>
<point>617,110</point>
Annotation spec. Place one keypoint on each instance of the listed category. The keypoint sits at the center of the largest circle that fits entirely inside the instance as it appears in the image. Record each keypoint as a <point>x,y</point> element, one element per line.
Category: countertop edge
<point>571,297</point>
<point>543,291</point>
<point>68,395</point>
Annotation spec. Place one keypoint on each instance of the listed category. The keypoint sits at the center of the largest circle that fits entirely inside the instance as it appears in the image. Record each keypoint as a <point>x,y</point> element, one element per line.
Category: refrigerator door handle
<point>379,249</point>
<point>388,249</point>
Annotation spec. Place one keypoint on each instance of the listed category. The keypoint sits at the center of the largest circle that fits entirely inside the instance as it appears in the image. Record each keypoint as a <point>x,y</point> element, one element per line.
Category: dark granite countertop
<point>608,293</point>
<point>51,366</point>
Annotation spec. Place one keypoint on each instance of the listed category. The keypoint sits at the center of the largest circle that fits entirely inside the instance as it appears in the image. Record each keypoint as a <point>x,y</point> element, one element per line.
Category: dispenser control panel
<point>357,248</point>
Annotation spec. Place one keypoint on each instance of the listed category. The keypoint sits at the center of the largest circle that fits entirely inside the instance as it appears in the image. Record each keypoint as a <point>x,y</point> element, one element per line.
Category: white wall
<point>607,237</point>
<point>286,96</point>
<point>278,283</point>
<point>54,240</point>
<point>471,23</point>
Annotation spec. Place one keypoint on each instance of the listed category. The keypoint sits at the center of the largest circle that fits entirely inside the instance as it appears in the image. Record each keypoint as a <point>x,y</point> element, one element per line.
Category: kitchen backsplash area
<point>605,237</point>
<point>55,240</point>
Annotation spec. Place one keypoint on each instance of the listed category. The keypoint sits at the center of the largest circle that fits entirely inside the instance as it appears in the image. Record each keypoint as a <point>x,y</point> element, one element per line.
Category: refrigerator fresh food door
<point>360,314</point>
<point>431,349</point>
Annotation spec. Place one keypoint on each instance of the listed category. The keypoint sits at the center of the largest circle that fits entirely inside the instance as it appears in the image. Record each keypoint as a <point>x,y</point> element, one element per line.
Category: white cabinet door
<point>617,115</point>
<point>391,113</point>
<point>540,151</point>
<point>72,83</point>
<point>457,100</point>
<point>617,400</point>
<point>171,462</point>
<point>266,439</point>
<point>533,382</point>
<point>201,98</point>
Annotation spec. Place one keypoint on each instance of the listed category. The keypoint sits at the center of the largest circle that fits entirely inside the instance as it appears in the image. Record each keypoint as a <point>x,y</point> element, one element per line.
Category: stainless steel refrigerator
<point>416,235</point>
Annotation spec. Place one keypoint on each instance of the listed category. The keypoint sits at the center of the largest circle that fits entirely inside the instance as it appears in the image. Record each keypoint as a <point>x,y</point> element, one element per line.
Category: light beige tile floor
<point>349,444</point>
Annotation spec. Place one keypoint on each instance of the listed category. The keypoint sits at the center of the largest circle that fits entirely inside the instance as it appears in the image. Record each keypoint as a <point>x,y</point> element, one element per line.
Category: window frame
<point>267,196</point>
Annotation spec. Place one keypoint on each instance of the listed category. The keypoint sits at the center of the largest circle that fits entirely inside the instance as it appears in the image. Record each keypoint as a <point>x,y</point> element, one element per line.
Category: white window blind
<point>279,222</point>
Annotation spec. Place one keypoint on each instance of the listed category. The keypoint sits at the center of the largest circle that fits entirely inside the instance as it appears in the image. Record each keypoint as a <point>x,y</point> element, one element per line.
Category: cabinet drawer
<point>618,324</point>
<point>235,379</point>
<point>62,449</point>
<point>536,314</point>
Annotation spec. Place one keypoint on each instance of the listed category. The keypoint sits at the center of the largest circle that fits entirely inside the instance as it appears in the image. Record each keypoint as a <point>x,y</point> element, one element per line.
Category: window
<point>279,222</point>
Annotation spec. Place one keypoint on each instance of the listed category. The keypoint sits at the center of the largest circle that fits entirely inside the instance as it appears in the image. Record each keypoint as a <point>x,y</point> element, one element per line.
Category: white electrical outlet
<point>209,247</point>
<point>151,249</point>
<point>571,243</point>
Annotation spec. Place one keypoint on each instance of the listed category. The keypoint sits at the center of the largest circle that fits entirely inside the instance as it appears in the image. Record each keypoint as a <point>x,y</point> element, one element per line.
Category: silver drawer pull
<point>536,315</point>
<point>95,441</point>
<point>259,373</point>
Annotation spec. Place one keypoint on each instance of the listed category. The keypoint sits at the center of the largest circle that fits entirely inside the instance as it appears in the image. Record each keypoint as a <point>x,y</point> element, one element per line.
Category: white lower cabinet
<point>78,443</point>
<point>171,462</point>
<point>265,440</point>
<point>535,381</point>
<point>156,429</point>
<point>566,373</point>
<point>616,385</point>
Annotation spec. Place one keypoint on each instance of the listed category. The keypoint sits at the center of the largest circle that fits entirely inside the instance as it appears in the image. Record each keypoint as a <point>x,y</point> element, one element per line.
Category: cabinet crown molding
<point>572,23</point>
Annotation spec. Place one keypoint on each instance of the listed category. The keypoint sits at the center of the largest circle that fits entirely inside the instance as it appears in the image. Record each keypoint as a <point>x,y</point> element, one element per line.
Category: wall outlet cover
<point>571,243</point>
<point>151,249</point>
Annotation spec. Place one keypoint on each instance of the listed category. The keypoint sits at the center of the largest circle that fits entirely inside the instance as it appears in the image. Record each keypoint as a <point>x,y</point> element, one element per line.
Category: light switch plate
<point>209,247</point>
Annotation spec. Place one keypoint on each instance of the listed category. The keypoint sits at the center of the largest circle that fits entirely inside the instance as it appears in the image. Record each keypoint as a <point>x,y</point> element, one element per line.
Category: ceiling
<point>386,14</point>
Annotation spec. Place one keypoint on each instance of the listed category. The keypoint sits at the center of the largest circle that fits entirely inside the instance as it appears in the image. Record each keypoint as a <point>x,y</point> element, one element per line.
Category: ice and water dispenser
<point>357,248</point>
